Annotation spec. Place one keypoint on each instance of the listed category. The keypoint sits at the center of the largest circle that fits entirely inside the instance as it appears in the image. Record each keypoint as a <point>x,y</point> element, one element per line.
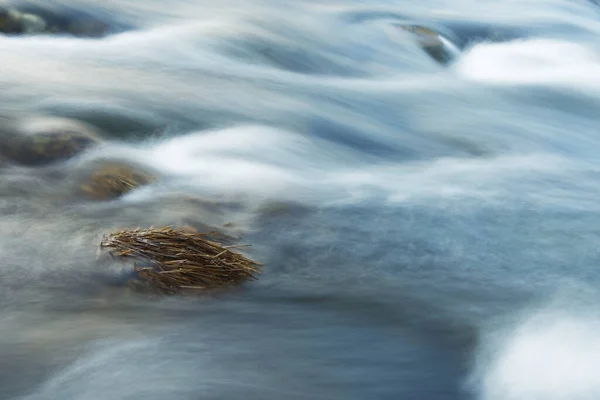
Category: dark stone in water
<point>46,141</point>
<point>111,180</point>
<point>438,47</point>
<point>40,20</point>
<point>9,21</point>
<point>15,22</point>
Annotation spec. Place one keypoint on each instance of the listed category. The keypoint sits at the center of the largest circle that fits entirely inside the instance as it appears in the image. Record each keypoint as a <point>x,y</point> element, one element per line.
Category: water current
<point>428,230</point>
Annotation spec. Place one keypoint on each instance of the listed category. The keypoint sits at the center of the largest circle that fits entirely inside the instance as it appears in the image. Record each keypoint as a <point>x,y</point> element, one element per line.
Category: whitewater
<point>429,230</point>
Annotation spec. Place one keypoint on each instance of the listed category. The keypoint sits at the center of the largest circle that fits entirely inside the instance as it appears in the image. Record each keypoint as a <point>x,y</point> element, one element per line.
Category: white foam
<point>251,159</point>
<point>549,356</point>
<point>536,61</point>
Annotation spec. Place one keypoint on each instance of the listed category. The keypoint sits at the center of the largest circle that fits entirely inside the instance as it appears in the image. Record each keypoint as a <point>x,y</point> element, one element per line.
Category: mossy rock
<point>47,141</point>
<point>13,21</point>
<point>9,21</point>
<point>111,180</point>
<point>32,19</point>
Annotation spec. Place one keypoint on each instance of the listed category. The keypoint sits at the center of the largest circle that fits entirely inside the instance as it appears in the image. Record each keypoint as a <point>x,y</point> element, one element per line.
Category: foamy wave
<point>536,61</point>
<point>550,356</point>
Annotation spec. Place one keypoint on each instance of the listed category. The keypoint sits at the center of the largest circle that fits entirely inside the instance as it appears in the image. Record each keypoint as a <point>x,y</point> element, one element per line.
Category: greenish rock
<point>13,21</point>
<point>9,21</point>
<point>45,141</point>
<point>33,20</point>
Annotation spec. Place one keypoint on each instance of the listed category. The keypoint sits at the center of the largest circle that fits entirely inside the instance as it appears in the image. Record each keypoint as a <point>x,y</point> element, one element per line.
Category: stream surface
<point>427,231</point>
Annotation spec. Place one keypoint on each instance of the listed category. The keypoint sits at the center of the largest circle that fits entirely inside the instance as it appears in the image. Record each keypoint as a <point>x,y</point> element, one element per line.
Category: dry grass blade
<point>176,261</point>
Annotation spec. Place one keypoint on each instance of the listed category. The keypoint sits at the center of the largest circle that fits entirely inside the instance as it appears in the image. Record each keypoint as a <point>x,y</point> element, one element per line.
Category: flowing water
<point>428,231</point>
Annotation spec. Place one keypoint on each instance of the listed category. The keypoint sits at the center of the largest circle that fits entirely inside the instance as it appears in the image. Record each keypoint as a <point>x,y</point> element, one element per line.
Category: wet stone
<point>47,142</point>
<point>37,20</point>
<point>433,43</point>
<point>114,179</point>
<point>9,21</point>
<point>16,22</point>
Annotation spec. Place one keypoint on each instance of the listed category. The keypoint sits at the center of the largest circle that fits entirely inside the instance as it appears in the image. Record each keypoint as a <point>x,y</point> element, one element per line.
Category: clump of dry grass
<point>173,261</point>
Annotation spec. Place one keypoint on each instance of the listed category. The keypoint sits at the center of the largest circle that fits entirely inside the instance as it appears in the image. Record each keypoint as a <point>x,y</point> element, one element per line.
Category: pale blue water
<point>428,231</point>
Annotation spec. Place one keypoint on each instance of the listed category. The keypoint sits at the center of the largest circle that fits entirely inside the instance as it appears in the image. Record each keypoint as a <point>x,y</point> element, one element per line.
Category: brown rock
<point>113,180</point>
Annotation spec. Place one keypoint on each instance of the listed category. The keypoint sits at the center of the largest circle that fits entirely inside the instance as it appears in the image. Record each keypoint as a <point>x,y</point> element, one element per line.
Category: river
<point>428,230</point>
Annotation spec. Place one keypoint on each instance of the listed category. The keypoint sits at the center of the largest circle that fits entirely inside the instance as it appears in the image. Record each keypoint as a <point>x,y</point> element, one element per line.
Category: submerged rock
<point>438,47</point>
<point>38,20</point>
<point>114,179</point>
<point>45,141</point>
<point>13,21</point>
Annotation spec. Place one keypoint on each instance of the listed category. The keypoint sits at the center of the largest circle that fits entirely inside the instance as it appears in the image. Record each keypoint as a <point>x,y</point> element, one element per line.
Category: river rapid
<point>428,230</point>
